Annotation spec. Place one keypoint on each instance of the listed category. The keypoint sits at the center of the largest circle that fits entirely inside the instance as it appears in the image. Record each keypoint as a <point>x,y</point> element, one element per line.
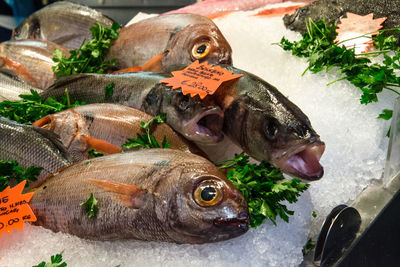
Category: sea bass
<point>333,10</point>
<point>11,86</point>
<point>36,56</point>
<point>32,146</point>
<point>152,194</point>
<point>105,128</point>
<point>269,127</point>
<point>159,42</point>
<point>62,22</point>
<point>194,119</point>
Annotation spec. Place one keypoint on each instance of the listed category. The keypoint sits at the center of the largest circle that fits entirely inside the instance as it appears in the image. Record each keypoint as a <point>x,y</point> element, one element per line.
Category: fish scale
<point>56,203</point>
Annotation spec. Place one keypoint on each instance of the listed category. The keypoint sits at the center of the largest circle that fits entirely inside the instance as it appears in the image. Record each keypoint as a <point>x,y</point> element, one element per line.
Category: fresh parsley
<point>94,154</point>
<point>56,261</point>
<point>90,56</point>
<point>10,170</point>
<point>32,107</point>
<point>146,140</point>
<point>109,91</point>
<point>264,188</point>
<point>310,245</point>
<point>319,47</point>
<point>91,206</point>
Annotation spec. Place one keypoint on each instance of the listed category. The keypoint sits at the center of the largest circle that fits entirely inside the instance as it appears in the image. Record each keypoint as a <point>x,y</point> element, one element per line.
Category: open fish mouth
<point>206,127</point>
<point>241,222</point>
<point>303,162</point>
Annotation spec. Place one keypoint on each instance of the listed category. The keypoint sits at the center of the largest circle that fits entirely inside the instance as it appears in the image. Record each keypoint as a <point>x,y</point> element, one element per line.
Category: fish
<point>269,127</point>
<point>35,56</point>
<point>153,195</point>
<point>64,23</point>
<point>11,86</point>
<point>105,128</point>
<point>194,119</point>
<point>332,10</point>
<point>159,42</point>
<point>32,146</point>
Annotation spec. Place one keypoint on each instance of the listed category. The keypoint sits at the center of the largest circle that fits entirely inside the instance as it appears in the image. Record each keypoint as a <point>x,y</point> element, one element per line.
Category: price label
<point>14,208</point>
<point>200,79</point>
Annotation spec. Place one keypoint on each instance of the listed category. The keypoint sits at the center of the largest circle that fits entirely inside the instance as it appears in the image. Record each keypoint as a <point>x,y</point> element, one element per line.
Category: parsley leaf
<point>94,154</point>
<point>55,262</point>
<point>32,107</point>
<point>146,140</point>
<point>263,188</point>
<point>109,91</point>
<point>10,170</point>
<point>91,206</point>
<point>90,56</point>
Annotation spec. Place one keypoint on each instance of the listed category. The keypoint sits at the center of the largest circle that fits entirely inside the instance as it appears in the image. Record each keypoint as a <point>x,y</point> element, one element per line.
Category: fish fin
<point>131,69</point>
<point>55,139</point>
<point>279,11</point>
<point>100,145</point>
<point>20,70</point>
<point>154,64</point>
<point>128,195</point>
<point>219,15</point>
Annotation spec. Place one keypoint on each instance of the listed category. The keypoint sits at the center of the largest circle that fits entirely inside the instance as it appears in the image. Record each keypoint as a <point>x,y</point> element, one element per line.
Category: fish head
<point>205,207</point>
<point>28,29</point>
<point>269,127</point>
<point>194,119</point>
<point>203,42</point>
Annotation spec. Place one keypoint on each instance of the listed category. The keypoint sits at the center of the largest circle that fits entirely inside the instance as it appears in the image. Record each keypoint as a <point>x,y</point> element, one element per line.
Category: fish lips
<point>205,127</point>
<point>303,161</point>
<point>240,223</point>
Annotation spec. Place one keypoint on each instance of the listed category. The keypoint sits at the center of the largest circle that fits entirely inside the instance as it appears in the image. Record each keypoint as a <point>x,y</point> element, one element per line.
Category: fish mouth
<point>45,123</point>
<point>241,222</point>
<point>206,127</point>
<point>303,161</point>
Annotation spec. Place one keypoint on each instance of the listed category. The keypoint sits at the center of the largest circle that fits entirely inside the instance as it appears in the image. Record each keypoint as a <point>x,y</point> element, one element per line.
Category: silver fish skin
<point>151,194</point>
<point>194,119</point>
<point>11,86</point>
<point>35,56</point>
<point>65,23</point>
<point>32,146</point>
<point>332,10</point>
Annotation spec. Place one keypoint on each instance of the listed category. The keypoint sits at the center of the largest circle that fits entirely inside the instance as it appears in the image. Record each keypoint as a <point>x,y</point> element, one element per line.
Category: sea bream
<point>152,194</point>
<point>332,10</point>
<point>194,119</point>
<point>159,42</point>
<point>36,58</point>
<point>11,86</point>
<point>269,127</point>
<point>105,128</point>
<point>65,23</point>
<point>32,146</point>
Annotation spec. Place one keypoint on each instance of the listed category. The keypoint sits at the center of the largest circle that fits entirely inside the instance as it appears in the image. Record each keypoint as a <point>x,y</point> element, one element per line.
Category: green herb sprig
<point>32,107</point>
<point>90,56</point>
<point>56,261</point>
<point>146,140</point>
<point>264,188</point>
<point>10,170</point>
<point>94,154</point>
<point>90,206</point>
<point>318,45</point>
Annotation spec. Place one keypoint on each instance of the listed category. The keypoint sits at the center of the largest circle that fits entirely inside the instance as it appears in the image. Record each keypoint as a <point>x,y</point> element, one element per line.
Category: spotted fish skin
<point>145,195</point>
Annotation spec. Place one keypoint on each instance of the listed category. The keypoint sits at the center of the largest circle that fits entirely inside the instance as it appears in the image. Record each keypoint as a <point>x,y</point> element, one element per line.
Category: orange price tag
<point>14,208</point>
<point>200,79</point>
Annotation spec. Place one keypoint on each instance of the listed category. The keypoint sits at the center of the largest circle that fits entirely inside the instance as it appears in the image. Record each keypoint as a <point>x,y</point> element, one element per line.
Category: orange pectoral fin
<point>100,145</point>
<point>218,15</point>
<point>279,11</point>
<point>154,64</point>
<point>132,69</point>
<point>127,195</point>
<point>20,70</point>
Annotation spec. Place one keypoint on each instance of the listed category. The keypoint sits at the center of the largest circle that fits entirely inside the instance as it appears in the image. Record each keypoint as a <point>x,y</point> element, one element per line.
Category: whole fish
<point>32,146</point>
<point>159,42</point>
<point>65,23</point>
<point>11,86</point>
<point>152,194</point>
<point>36,56</point>
<point>194,119</point>
<point>105,128</point>
<point>269,127</point>
<point>332,10</point>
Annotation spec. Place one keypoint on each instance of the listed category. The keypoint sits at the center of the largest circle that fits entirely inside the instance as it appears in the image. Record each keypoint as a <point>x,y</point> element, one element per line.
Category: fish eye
<point>271,129</point>
<point>200,50</point>
<point>208,193</point>
<point>184,103</point>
